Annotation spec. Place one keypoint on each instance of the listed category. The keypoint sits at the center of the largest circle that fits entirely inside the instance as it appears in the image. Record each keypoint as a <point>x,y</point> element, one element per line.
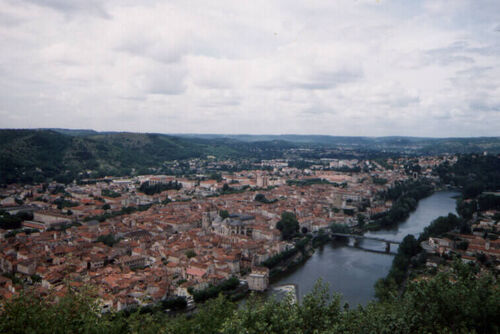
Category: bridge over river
<point>352,271</point>
<point>358,237</point>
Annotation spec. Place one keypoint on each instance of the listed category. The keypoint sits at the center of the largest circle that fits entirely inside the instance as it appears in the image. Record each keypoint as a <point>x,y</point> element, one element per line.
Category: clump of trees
<point>379,180</point>
<point>108,239</point>
<point>288,225</point>
<point>472,173</point>
<point>124,211</point>
<point>442,225</point>
<point>190,253</point>
<point>278,258</point>
<point>408,248</point>
<point>223,214</point>
<point>405,197</point>
<point>307,182</point>
<point>110,193</point>
<point>262,199</point>
<point>64,203</point>
<point>340,228</point>
<point>214,290</point>
<point>174,303</point>
<point>467,207</point>
<point>12,222</point>
<point>151,189</point>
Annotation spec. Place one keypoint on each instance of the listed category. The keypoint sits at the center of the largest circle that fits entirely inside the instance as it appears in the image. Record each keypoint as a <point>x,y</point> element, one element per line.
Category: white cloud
<point>346,67</point>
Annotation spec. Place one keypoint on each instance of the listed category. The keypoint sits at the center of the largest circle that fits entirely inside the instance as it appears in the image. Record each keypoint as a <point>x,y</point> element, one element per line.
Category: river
<point>352,272</point>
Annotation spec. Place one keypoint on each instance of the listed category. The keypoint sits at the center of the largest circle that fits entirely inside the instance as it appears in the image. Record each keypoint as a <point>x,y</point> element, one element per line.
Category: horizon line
<point>240,134</point>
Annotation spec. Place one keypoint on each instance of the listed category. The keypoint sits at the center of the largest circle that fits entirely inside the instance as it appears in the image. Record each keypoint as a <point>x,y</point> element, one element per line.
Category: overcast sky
<point>342,67</point>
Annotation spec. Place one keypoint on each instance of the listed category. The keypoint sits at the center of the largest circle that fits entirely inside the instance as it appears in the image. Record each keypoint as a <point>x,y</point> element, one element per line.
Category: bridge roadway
<point>357,236</point>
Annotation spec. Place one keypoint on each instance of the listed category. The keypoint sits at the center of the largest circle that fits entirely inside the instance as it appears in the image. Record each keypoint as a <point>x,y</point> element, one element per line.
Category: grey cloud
<point>475,70</point>
<point>488,50</point>
<point>316,110</point>
<point>322,80</point>
<point>165,85</point>
<point>220,103</point>
<point>251,67</point>
<point>453,53</point>
<point>9,20</point>
<point>485,106</point>
<point>404,101</point>
<point>214,83</point>
<point>461,52</point>
<point>71,7</point>
<point>442,115</point>
<point>155,50</point>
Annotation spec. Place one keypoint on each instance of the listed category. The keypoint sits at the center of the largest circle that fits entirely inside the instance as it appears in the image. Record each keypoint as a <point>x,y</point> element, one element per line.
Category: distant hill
<point>34,155</point>
<point>418,145</point>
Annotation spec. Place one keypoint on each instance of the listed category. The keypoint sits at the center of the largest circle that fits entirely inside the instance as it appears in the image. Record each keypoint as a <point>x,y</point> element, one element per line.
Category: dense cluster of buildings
<point>171,241</point>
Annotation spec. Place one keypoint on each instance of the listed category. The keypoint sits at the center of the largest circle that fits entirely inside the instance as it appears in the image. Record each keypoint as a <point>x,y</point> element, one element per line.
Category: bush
<point>175,303</point>
<point>190,253</point>
<point>214,290</point>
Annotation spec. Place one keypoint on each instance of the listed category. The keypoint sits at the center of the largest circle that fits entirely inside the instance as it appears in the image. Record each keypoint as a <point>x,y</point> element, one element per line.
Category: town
<point>149,238</point>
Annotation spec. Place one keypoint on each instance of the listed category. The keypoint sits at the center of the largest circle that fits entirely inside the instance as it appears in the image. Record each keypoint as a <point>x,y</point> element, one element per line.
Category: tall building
<point>262,181</point>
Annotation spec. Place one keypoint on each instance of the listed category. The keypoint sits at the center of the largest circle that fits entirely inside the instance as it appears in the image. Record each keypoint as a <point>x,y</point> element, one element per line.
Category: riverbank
<point>407,196</point>
<point>411,258</point>
<point>353,272</point>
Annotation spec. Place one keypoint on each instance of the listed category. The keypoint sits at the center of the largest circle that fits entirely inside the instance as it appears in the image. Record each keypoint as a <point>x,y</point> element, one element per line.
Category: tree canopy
<point>456,301</point>
<point>288,225</point>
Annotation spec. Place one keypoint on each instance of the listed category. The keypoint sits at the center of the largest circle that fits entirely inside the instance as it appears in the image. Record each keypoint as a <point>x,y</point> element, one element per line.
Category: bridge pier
<point>387,247</point>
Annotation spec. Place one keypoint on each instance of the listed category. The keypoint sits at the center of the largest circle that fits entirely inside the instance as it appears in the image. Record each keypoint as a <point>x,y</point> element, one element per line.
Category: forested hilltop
<point>31,156</point>
<point>415,145</point>
<point>34,155</point>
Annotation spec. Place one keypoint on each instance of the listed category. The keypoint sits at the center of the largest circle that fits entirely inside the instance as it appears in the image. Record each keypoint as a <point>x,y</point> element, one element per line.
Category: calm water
<point>353,272</point>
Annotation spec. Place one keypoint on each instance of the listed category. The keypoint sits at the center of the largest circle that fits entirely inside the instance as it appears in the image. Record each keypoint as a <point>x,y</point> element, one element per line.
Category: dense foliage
<point>110,193</point>
<point>12,222</point>
<point>32,156</point>
<point>405,197</point>
<point>108,239</point>
<point>379,180</point>
<point>151,189</point>
<point>307,182</point>
<point>456,301</point>
<point>174,303</point>
<point>213,291</point>
<point>408,248</point>
<point>280,257</point>
<point>288,225</point>
<point>442,225</point>
<point>473,173</point>
<point>262,198</point>
<point>124,211</point>
<point>340,228</point>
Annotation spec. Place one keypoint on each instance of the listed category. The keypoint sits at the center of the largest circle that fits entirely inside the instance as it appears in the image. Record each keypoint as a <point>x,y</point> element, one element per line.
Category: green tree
<point>190,253</point>
<point>361,220</point>
<point>288,225</point>
<point>223,214</point>
<point>108,239</point>
<point>260,198</point>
